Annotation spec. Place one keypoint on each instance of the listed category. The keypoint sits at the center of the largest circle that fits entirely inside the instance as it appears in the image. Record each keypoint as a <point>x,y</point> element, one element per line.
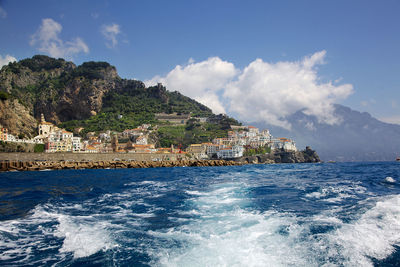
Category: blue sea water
<point>342,214</point>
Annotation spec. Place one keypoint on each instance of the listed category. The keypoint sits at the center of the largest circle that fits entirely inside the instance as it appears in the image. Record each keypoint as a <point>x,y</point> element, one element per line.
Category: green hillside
<point>94,97</point>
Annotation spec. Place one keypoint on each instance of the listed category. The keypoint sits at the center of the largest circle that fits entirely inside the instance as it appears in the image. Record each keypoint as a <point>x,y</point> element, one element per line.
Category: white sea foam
<point>373,235</point>
<point>225,233</point>
<point>390,180</point>
<point>228,235</point>
<point>194,192</point>
<point>83,236</point>
<point>337,193</point>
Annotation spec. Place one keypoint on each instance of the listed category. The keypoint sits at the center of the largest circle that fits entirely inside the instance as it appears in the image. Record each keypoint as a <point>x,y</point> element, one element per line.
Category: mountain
<point>91,95</point>
<point>358,137</point>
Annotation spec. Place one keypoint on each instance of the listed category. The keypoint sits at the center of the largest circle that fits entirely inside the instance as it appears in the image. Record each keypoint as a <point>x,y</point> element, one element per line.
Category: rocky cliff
<point>65,92</point>
<point>306,156</point>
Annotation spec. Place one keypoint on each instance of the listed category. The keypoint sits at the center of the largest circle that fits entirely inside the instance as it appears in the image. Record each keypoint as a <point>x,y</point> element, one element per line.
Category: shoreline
<point>60,161</point>
<point>76,165</point>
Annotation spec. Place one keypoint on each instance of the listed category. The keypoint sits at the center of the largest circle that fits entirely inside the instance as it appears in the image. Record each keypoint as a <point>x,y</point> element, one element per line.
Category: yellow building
<point>3,134</point>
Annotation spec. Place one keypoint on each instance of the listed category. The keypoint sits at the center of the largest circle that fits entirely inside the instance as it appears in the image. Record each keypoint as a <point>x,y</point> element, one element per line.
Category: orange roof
<point>141,146</point>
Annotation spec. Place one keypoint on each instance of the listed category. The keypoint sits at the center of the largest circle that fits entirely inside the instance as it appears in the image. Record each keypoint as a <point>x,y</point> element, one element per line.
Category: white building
<point>141,140</point>
<point>76,144</point>
<point>230,153</point>
<point>211,149</point>
<point>283,144</point>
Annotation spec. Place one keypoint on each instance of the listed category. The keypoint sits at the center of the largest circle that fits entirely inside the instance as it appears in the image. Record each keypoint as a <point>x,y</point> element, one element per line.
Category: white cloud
<point>48,41</point>
<point>110,32</point>
<point>201,81</point>
<point>270,91</point>
<point>6,59</point>
<point>391,119</point>
<point>263,92</point>
<point>3,13</point>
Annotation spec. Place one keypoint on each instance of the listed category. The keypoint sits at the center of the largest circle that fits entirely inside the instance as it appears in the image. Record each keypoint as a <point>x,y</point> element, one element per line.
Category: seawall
<point>105,164</point>
<point>57,161</point>
<point>89,156</point>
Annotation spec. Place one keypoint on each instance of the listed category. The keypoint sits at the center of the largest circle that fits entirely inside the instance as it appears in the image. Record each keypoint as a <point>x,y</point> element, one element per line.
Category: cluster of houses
<point>137,141</point>
<point>239,139</point>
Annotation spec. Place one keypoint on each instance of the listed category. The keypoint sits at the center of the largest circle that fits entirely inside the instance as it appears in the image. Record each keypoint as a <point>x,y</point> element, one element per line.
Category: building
<point>173,118</point>
<point>230,152</point>
<point>106,136</point>
<point>56,139</point>
<point>141,140</point>
<point>76,144</point>
<point>283,144</point>
<point>132,132</point>
<point>198,150</point>
<point>211,149</point>
<point>3,134</point>
<point>45,128</point>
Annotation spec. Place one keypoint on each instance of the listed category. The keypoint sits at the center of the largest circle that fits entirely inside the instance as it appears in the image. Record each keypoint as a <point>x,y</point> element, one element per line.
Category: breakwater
<point>60,165</point>
<point>59,161</point>
<point>68,156</point>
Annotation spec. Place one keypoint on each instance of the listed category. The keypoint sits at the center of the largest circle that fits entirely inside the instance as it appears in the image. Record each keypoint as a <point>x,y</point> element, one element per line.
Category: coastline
<point>120,164</point>
<point>59,161</point>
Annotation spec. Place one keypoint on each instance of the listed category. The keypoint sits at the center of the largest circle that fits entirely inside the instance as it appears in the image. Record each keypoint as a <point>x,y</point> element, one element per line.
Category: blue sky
<point>355,45</point>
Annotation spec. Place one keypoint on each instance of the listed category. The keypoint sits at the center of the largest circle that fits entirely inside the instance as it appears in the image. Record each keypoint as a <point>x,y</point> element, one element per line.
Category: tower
<point>42,118</point>
<point>114,143</point>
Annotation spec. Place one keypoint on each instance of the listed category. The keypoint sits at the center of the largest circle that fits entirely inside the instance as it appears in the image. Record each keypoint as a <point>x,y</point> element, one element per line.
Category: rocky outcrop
<point>64,92</point>
<point>17,118</point>
<point>306,156</point>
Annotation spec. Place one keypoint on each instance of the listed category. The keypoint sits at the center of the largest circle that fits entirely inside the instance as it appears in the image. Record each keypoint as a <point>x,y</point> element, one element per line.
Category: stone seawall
<point>58,161</point>
<point>89,157</point>
<point>60,165</point>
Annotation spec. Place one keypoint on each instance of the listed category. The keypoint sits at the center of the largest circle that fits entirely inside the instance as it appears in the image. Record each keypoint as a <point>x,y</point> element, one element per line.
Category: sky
<point>254,60</point>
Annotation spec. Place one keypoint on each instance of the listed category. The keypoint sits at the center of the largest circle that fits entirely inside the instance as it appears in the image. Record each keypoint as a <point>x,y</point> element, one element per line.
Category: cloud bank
<point>203,81</point>
<point>47,40</point>
<point>262,92</point>
<point>6,59</point>
<point>110,32</point>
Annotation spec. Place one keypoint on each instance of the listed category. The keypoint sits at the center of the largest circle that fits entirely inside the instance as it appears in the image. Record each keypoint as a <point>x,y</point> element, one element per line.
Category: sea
<point>326,214</point>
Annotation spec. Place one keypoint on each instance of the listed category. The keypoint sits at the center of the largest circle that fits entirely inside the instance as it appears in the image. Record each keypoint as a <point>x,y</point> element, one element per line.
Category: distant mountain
<point>91,95</point>
<point>359,136</point>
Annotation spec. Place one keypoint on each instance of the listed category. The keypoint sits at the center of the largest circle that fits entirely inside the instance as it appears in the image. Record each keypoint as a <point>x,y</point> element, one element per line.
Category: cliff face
<point>79,99</point>
<point>17,118</point>
<point>65,92</point>
<point>306,156</point>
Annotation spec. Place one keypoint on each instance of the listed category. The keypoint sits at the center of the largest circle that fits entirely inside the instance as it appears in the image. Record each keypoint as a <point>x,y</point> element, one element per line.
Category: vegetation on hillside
<point>38,63</point>
<point>257,151</point>
<point>191,133</point>
<point>69,94</point>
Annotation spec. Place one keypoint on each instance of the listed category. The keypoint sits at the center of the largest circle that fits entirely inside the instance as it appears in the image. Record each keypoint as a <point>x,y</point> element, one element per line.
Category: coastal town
<point>240,139</point>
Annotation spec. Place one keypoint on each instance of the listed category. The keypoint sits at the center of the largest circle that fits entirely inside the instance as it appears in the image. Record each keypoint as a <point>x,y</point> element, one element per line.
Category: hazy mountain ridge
<point>358,137</point>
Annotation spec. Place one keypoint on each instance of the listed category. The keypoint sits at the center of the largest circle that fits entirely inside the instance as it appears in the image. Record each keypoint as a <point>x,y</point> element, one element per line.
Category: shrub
<point>38,148</point>
<point>4,95</point>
